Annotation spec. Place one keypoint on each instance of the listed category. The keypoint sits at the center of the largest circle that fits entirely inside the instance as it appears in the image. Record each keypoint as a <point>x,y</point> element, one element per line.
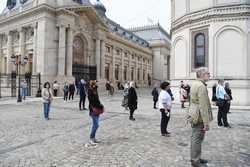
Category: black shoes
<point>227,126</point>
<point>203,161</point>
<point>198,164</point>
<point>131,118</point>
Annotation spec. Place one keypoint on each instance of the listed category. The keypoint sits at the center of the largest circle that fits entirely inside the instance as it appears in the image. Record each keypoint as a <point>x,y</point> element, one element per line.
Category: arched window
<point>200,50</point>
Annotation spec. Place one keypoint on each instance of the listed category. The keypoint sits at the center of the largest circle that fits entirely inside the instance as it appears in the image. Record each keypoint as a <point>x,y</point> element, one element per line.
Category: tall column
<point>122,67</point>
<point>146,75</point>
<point>142,67</point>
<point>102,59</point>
<point>62,51</point>
<point>129,67</point>
<point>113,62</point>
<point>136,69</point>
<point>69,58</point>
<point>22,47</point>
<point>9,52</point>
<point>34,61</point>
<point>97,58</point>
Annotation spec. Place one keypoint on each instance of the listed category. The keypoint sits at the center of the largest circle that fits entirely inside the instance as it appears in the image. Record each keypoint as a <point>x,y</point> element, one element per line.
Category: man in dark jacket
<point>71,91</point>
<point>82,93</point>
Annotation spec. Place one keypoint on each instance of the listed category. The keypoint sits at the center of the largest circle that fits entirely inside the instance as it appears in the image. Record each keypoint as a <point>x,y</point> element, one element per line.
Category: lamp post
<point>18,61</point>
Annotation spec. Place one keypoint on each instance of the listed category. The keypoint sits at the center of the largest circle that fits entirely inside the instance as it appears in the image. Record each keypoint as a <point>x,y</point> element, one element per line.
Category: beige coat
<point>199,95</point>
<point>47,95</point>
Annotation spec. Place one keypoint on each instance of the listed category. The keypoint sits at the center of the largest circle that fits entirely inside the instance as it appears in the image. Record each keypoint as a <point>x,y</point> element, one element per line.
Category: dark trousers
<point>71,95</point>
<point>82,102</point>
<point>164,121</point>
<point>55,92</point>
<point>227,106</point>
<point>65,97</point>
<point>155,103</point>
<point>222,114</point>
<point>131,113</point>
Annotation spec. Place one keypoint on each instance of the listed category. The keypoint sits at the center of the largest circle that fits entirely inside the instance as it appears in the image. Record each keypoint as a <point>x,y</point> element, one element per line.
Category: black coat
<point>132,99</point>
<point>214,98</point>
<point>155,94</point>
<point>229,93</point>
<point>72,88</point>
<point>82,91</point>
<point>93,100</point>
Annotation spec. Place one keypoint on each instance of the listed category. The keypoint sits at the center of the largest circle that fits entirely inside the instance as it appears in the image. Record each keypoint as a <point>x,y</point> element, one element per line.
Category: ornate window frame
<point>194,34</point>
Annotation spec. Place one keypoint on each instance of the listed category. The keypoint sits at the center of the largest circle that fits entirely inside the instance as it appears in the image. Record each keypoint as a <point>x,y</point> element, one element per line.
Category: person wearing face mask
<point>47,97</point>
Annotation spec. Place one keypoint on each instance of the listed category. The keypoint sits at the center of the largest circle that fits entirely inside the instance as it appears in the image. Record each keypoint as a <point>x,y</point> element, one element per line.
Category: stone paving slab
<point>27,140</point>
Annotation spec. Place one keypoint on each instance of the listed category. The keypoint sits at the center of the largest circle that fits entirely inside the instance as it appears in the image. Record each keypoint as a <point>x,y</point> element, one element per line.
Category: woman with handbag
<point>165,102</point>
<point>95,109</point>
<point>47,97</point>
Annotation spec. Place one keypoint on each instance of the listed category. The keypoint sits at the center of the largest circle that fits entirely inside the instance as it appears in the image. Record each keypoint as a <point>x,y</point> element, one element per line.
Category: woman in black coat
<point>94,101</point>
<point>132,100</point>
<point>155,95</point>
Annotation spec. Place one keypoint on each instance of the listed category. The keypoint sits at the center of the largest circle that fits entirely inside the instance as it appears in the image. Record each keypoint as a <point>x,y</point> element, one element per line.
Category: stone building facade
<point>72,39</point>
<point>215,34</point>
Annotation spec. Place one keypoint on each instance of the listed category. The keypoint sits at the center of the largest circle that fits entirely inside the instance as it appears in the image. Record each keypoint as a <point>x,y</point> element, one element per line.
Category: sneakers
<point>93,142</point>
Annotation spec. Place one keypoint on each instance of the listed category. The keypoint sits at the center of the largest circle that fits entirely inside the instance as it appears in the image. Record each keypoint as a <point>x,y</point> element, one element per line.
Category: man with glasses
<point>199,98</point>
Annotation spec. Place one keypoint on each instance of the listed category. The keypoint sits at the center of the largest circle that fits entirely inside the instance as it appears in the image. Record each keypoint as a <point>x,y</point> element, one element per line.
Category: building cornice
<point>127,43</point>
<point>218,14</point>
<point>4,19</point>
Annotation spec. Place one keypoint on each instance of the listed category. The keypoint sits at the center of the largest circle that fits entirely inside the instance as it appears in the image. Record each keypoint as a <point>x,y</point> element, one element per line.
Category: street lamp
<point>18,61</point>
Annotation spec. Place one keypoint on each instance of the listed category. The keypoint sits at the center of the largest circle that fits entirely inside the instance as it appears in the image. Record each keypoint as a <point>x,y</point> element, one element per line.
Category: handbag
<point>193,113</point>
<point>97,111</point>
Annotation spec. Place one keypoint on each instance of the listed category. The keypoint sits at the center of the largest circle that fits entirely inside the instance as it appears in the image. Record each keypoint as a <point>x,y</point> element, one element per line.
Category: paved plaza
<point>27,140</point>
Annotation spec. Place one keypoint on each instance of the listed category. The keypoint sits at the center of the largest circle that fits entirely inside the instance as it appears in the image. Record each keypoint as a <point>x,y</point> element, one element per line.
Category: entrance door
<point>80,69</point>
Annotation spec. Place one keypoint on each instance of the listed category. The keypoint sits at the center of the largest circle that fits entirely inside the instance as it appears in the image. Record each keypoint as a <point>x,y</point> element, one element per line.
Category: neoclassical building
<point>215,34</point>
<point>72,39</point>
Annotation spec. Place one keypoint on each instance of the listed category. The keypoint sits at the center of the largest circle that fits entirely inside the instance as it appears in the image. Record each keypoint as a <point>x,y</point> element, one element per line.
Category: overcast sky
<point>132,13</point>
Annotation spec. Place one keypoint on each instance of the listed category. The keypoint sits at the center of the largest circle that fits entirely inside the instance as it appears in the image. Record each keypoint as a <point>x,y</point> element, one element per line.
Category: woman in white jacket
<point>165,103</point>
<point>47,97</point>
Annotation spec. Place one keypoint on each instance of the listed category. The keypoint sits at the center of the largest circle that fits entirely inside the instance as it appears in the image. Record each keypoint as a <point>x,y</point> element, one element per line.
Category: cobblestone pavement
<point>27,140</point>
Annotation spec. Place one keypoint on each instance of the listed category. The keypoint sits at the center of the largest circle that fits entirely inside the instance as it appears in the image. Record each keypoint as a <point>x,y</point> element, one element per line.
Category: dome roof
<point>100,7</point>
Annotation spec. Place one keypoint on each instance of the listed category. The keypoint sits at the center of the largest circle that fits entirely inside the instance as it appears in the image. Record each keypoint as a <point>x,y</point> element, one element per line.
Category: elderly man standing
<point>199,97</point>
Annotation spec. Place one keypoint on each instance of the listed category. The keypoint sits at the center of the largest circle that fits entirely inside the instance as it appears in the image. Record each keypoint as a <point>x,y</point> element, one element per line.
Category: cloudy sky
<point>132,13</point>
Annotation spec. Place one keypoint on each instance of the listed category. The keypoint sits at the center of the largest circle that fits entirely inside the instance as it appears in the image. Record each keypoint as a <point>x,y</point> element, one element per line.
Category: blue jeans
<point>46,109</point>
<point>24,92</point>
<point>95,125</point>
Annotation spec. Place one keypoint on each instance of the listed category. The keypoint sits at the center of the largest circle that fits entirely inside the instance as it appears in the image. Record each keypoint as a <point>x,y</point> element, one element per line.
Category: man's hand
<point>206,128</point>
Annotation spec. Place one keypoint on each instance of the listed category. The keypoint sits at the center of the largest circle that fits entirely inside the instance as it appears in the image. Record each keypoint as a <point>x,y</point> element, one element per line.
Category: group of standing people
<point>94,103</point>
<point>222,96</point>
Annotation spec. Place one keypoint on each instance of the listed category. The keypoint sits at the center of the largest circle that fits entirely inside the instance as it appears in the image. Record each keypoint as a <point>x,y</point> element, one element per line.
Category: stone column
<point>97,58</point>
<point>22,47</point>
<point>102,59</point>
<point>122,67</point>
<point>9,53</point>
<point>34,61</point>
<point>129,68</point>
<point>136,69</point>
<point>69,58</point>
<point>142,67</point>
<point>113,63</point>
<point>146,74</point>
<point>62,51</point>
